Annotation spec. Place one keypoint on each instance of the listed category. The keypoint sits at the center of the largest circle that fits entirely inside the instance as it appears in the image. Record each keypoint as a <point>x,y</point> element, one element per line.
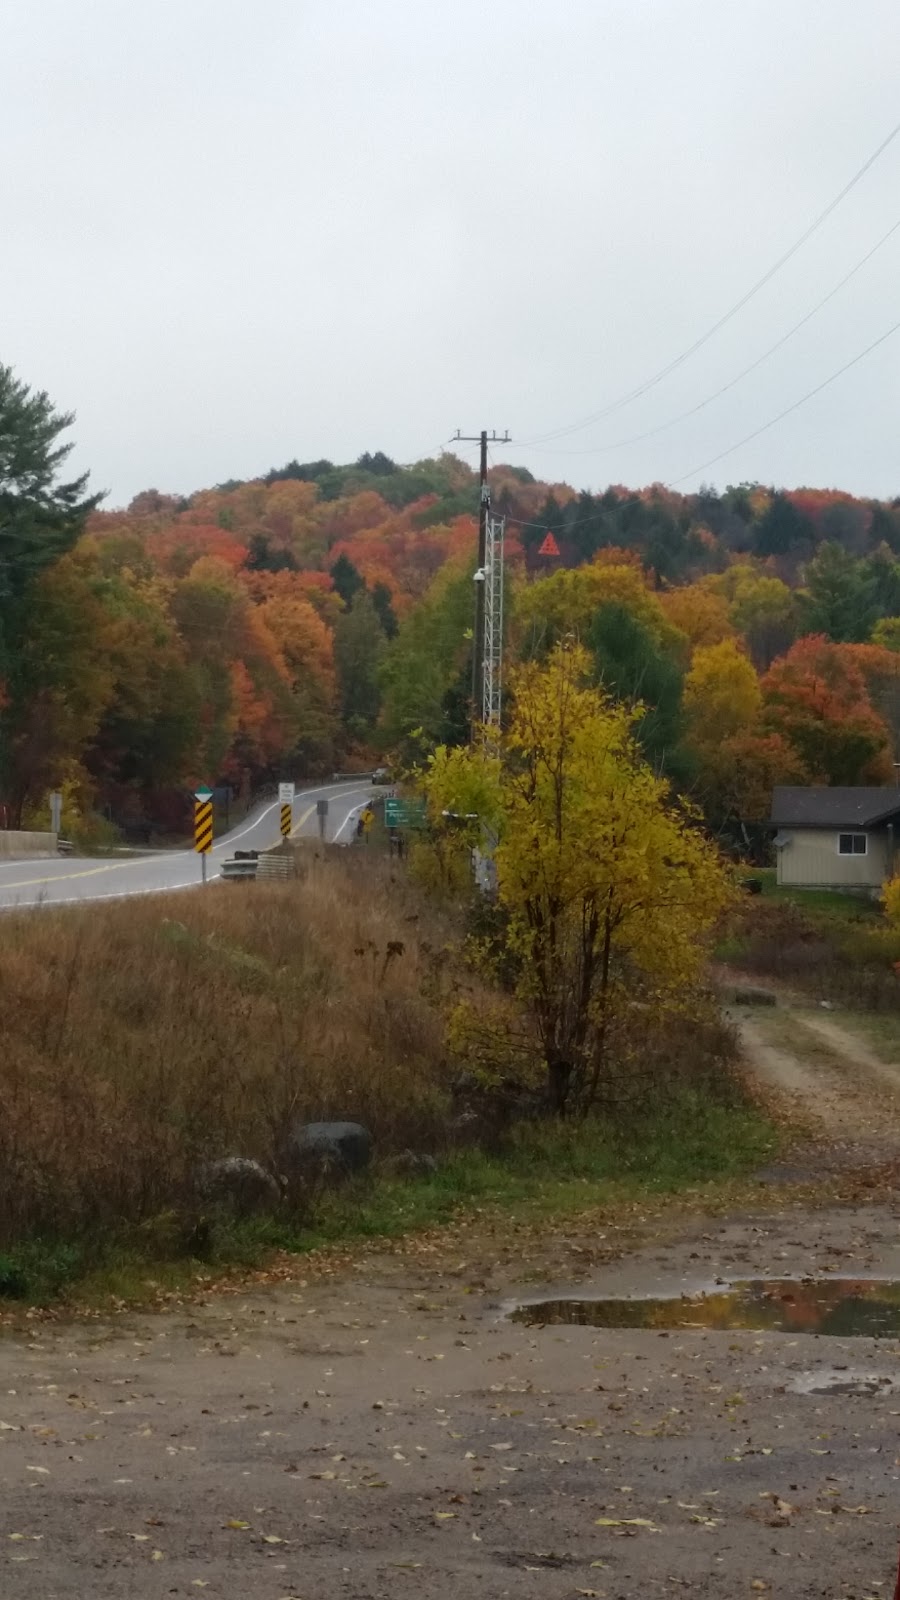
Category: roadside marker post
<point>322,814</point>
<point>203,825</point>
<point>286,801</point>
<point>55,811</point>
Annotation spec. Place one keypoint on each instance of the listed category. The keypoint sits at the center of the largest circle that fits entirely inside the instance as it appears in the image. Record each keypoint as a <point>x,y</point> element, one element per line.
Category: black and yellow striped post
<point>203,825</point>
<point>286,803</point>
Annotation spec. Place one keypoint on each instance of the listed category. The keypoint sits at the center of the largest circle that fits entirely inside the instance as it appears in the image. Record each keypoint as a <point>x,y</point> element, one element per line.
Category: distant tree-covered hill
<point>322,614</point>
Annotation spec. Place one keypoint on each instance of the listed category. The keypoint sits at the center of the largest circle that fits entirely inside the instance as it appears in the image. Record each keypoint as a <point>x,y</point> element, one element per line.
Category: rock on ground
<point>243,1184</point>
<point>340,1147</point>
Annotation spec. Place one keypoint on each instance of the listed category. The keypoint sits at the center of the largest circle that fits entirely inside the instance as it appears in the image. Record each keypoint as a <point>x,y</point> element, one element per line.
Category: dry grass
<point>143,1037</point>
<point>850,955</point>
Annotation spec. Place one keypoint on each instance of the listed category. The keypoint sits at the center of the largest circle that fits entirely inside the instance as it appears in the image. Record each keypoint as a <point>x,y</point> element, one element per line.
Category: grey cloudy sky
<point>236,233</point>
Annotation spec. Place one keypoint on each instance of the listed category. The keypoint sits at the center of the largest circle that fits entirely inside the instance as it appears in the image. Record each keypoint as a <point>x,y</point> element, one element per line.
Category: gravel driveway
<point>385,1431</point>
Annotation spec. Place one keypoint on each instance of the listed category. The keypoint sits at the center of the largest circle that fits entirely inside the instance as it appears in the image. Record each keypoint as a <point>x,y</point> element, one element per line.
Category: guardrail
<point>248,865</point>
<point>234,869</point>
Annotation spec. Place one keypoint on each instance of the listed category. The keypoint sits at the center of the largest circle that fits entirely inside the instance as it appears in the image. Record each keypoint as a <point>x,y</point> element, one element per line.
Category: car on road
<point>381,775</point>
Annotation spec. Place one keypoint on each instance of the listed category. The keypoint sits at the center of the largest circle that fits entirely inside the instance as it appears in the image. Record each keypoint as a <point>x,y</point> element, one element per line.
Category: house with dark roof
<point>836,838</point>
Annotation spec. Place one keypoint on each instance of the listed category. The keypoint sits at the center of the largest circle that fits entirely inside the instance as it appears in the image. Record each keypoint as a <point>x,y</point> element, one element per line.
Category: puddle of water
<point>839,1306</point>
<point>844,1380</point>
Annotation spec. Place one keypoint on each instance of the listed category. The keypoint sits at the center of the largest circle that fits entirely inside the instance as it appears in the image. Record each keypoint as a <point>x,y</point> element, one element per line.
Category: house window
<point>852,844</point>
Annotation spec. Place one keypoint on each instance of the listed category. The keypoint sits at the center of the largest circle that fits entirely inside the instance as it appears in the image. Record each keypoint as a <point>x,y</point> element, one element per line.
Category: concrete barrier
<point>19,844</point>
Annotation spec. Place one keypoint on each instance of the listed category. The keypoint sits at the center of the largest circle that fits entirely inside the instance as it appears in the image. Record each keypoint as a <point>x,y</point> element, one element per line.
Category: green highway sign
<point>404,813</point>
<point>203,793</point>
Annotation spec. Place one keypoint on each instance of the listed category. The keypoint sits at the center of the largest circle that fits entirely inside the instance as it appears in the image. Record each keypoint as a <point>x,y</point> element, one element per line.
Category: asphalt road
<point>71,879</point>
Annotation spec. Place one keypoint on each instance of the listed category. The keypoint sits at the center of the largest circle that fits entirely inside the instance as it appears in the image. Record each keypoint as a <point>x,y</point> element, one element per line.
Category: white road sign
<point>286,794</point>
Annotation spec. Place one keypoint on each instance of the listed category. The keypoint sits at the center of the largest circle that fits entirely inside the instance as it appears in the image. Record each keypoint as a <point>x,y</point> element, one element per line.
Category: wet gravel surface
<point>388,1432</point>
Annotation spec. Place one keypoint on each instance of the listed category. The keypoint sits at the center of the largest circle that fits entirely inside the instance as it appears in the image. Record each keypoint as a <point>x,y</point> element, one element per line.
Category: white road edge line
<point>349,818</point>
<point>326,790</point>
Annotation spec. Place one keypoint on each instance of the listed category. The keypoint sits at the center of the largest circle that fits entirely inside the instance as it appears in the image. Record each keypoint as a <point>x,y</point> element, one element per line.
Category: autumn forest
<point>319,617</point>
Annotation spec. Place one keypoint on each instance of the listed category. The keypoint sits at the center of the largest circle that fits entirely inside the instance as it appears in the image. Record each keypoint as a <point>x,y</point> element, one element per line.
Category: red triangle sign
<point>549,547</point>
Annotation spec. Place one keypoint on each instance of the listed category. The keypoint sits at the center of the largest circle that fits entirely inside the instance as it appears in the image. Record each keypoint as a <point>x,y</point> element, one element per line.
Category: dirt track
<point>836,1085</point>
<point>386,1431</point>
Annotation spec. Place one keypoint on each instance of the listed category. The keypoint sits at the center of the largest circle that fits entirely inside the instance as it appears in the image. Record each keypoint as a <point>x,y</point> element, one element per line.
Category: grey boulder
<point>239,1182</point>
<point>342,1148</point>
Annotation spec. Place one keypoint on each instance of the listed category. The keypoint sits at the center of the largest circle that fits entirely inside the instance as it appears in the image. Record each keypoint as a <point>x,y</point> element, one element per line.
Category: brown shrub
<point>145,1036</point>
<point>852,958</point>
<point>659,1051</point>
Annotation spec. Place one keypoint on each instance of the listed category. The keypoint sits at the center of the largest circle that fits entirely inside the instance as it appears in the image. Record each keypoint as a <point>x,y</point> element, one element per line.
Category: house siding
<point>811,860</point>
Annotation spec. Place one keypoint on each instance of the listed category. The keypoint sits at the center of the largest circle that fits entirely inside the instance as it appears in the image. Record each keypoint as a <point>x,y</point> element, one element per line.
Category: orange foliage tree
<point>815,697</point>
<point>701,615</point>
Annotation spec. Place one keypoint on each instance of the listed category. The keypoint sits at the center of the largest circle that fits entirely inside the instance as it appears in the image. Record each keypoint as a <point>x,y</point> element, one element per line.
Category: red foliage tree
<point>815,696</point>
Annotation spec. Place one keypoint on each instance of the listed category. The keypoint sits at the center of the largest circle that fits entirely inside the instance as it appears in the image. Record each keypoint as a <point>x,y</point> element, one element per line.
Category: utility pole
<point>482,439</point>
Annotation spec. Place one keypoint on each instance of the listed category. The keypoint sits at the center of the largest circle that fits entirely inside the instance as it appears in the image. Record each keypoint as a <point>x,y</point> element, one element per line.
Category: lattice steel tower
<point>492,645</point>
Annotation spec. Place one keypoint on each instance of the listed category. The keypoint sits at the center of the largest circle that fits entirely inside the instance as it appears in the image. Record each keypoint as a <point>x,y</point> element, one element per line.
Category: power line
<point>620,505</point>
<point>698,344</point>
<point>788,409</point>
<point>638,499</point>
<point>649,433</point>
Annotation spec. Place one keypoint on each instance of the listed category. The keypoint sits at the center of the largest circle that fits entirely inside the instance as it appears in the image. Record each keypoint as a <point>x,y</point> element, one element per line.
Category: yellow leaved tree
<point>605,889</point>
<point>890,900</point>
<point>566,603</point>
<point>722,696</point>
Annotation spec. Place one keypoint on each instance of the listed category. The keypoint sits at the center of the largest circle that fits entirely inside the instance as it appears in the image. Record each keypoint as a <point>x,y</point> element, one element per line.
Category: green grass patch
<point>546,1173</point>
<point>827,904</point>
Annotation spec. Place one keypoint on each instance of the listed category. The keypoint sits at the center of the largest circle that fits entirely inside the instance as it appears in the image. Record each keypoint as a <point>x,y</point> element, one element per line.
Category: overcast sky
<point>239,233</point>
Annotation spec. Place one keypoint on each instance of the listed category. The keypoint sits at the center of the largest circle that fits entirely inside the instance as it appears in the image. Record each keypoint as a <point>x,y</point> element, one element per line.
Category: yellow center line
<point>305,818</point>
<point>66,877</point>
